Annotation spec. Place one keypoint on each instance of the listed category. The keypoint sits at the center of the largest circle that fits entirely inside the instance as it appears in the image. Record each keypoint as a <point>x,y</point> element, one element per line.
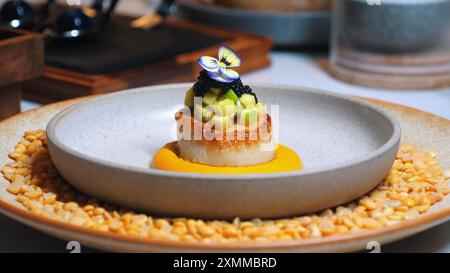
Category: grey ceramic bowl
<point>103,147</point>
<point>394,26</point>
<point>290,29</point>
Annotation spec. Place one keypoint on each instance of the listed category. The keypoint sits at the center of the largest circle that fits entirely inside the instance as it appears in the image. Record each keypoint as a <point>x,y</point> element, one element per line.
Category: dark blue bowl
<point>72,20</point>
<point>16,10</point>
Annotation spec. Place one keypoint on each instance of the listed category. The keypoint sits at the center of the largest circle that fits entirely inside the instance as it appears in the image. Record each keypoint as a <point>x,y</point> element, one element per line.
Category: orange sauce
<point>285,160</point>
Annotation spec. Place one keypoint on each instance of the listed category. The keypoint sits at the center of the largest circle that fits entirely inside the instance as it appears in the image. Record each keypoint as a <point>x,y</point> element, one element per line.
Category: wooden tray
<point>58,84</point>
<point>21,54</point>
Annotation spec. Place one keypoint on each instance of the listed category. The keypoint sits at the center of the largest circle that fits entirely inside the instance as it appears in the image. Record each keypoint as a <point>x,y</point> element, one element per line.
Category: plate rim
<point>393,140</point>
<point>431,219</point>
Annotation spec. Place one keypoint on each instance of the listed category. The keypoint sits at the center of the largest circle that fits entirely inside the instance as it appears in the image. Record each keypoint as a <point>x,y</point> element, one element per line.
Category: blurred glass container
<point>398,40</point>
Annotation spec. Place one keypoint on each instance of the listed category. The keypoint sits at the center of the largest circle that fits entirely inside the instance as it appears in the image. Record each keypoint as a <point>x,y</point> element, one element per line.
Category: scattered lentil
<point>414,183</point>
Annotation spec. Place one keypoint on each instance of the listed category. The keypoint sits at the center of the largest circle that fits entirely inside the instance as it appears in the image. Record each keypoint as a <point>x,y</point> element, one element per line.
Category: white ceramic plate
<point>104,147</point>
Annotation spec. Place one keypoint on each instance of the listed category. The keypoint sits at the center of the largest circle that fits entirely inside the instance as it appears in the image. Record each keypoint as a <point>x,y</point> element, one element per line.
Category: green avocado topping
<point>223,105</point>
<point>230,95</point>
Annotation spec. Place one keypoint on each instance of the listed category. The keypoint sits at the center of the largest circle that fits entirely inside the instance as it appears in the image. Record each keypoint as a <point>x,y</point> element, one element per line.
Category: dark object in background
<point>72,20</point>
<point>156,16</point>
<point>21,15</point>
<point>394,26</point>
<point>62,24</point>
<point>287,29</point>
<point>139,58</point>
<point>73,23</point>
<point>22,56</point>
<point>119,47</point>
<point>17,14</point>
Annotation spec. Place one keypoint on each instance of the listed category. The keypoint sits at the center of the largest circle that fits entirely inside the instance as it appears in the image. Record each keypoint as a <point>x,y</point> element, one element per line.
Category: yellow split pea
<point>413,185</point>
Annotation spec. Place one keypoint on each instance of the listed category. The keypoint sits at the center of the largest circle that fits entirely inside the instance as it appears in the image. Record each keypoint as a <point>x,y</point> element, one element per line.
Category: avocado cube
<point>228,107</point>
<point>249,116</point>
<point>229,95</point>
<point>262,109</point>
<point>239,108</point>
<point>210,111</point>
<point>247,100</point>
<point>189,98</point>
<point>216,90</point>
<point>209,98</point>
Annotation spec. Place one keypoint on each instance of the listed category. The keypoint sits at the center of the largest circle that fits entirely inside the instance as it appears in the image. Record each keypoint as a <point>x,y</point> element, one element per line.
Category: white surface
<point>292,69</point>
<point>302,69</point>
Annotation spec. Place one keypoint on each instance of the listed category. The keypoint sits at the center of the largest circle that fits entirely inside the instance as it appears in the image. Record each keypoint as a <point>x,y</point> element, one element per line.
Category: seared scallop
<point>236,147</point>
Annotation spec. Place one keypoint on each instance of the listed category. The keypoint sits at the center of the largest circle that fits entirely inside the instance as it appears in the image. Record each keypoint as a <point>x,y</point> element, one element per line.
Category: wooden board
<point>59,84</point>
<point>21,56</point>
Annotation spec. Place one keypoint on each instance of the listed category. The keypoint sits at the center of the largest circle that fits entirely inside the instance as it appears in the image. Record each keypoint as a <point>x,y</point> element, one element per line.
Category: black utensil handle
<point>42,20</point>
<point>164,7</point>
<point>108,13</point>
<point>98,5</point>
<point>49,4</point>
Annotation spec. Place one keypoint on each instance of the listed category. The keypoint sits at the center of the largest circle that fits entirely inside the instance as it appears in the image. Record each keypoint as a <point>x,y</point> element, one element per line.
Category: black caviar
<point>204,83</point>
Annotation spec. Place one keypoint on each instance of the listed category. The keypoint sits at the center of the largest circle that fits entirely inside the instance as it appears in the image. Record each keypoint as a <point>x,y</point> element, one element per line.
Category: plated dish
<point>92,152</point>
<point>223,128</point>
<point>425,131</point>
